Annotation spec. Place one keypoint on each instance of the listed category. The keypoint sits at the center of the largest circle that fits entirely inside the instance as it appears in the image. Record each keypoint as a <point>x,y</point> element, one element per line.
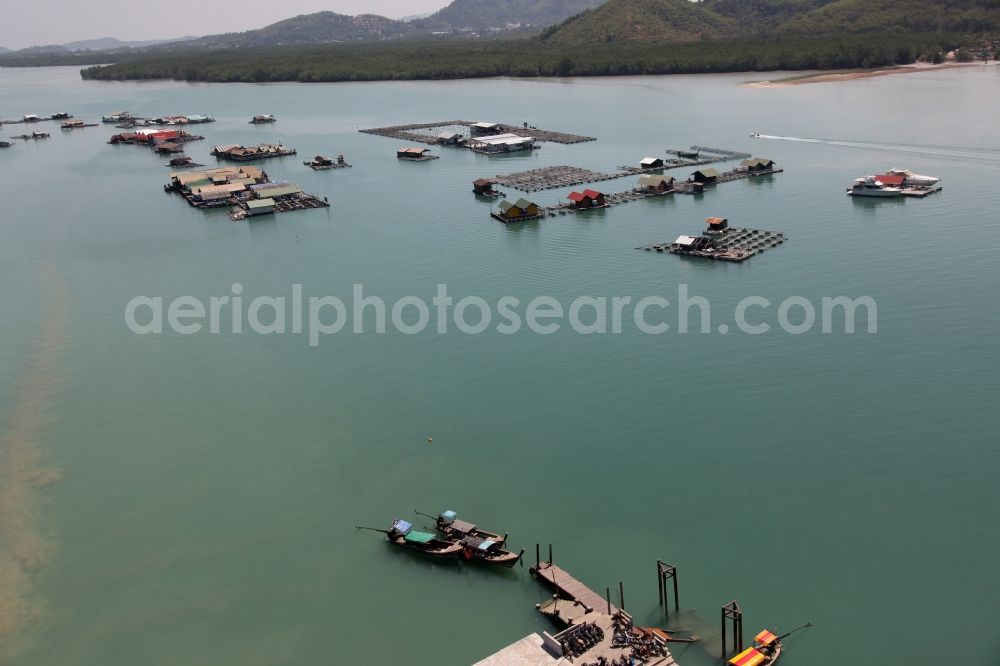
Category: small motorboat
<point>448,525</point>
<point>870,186</point>
<point>260,120</point>
<point>915,178</point>
<point>488,551</point>
<point>765,651</point>
<point>402,535</point>
<point>755,135</point>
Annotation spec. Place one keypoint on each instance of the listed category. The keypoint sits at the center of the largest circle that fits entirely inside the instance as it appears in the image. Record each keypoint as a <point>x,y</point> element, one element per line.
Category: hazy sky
<point>37,22</point>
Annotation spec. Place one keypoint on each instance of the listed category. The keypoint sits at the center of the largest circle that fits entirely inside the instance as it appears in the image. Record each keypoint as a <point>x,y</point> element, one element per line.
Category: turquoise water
<point>191,499</point>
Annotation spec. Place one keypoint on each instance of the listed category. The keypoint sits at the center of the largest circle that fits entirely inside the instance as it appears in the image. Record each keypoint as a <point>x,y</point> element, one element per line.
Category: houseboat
<point>261,120</point>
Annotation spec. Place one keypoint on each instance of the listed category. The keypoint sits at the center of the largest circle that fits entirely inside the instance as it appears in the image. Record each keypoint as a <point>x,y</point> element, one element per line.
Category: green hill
<point>485,14</point>
<point>317,28</point>
<point>679,21</point>
<point>860,16</point>
<point>675,21</point>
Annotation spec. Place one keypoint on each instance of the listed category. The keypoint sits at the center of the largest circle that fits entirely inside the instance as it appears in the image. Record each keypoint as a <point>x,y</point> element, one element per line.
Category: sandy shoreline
<point>863,74</point>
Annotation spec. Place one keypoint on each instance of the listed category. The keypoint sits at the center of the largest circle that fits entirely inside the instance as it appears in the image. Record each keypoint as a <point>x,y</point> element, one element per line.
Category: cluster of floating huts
<point>247,188</point>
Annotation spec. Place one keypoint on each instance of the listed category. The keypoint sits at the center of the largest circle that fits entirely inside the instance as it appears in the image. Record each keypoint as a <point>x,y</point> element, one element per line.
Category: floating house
<point>651,163</point>
<point>587,199</point>
<point>62,115</point>
<point>716,225</point>
<point>705,176</point>
<point>239,153</point>
<point>30,118</point>
<point>449,138</point>
<point>656,184</point>
<point>520,210</point>
<point>277,190</point>
<point>118,116</point>
<point>503,143</point>
<point>757,165</point>
<point>260,207</point>
<point>73,124</point>
<point>260,120</point>
<point>484,187</point>
<point>692,242</point>
<point>415,154</point>
<point>484,129</point>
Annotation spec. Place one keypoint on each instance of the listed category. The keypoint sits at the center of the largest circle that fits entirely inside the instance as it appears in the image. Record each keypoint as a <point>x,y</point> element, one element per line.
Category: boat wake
<point>952,152</point>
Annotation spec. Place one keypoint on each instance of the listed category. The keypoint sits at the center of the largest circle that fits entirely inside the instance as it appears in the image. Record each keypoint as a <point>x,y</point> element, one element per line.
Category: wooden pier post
<point>732,611</point>
<point>538,556</point>
<point>550,553</point>
<point>607,594</point>
<point>665,572</point>
<point>621,595</point>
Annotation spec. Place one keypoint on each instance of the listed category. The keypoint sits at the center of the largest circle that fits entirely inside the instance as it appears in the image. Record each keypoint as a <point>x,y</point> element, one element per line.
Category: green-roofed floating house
<point>518,211</point>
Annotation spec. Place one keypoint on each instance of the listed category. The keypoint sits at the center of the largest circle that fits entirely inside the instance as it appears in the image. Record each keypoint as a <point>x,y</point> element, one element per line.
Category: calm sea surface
<point>171,499</point>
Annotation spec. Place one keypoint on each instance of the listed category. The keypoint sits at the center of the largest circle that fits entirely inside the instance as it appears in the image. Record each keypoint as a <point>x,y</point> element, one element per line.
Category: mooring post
<point>607,595</point>
<point>621,595</point>
<point>677,599</point>
<point>723,632</point>
<point>550,553</point>
<point>538,556</point>
<point>659,581</point>
<point>732,611</point>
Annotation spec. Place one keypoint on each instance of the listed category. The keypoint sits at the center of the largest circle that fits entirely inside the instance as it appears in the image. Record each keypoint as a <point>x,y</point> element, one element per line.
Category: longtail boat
<point>402,535</point>
<point>488,551</point>
<point>765,651</point>
<point>447,524</point>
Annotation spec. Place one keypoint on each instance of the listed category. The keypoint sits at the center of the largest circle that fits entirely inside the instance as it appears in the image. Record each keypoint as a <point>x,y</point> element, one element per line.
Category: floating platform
<point>695,187</point>
<point>734,245</point>
<point>429,132</point>
<point>921,191</point>
<point>548,178</point>
<point>238,153</point>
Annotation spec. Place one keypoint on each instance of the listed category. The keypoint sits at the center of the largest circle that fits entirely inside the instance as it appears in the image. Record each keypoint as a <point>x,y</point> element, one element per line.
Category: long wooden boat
<point>488,551</point>
<point>766,650</point>
<point>402,535</point>
<point>448,525</point>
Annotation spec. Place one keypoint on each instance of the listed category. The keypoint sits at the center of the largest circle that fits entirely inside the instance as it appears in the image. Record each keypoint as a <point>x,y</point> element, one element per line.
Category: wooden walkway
<point>570,588</point>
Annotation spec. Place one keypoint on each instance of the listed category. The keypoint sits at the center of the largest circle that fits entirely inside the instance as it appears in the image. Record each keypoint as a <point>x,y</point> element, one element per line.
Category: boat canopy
<point>486,545</point>
<point>447,517</point>
<point>749,657</point>
<point>419,537</point>
<point>765,638</point>
<point>401,526</point>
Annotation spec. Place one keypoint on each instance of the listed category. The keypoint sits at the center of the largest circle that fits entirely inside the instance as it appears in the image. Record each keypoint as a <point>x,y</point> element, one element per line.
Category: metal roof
<point>260,203</point>
<point>685,240</point>
<point>710,173</point>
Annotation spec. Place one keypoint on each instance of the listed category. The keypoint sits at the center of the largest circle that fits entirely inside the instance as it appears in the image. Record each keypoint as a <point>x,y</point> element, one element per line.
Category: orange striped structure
<point>765,638</point>
<point>749,657</point>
